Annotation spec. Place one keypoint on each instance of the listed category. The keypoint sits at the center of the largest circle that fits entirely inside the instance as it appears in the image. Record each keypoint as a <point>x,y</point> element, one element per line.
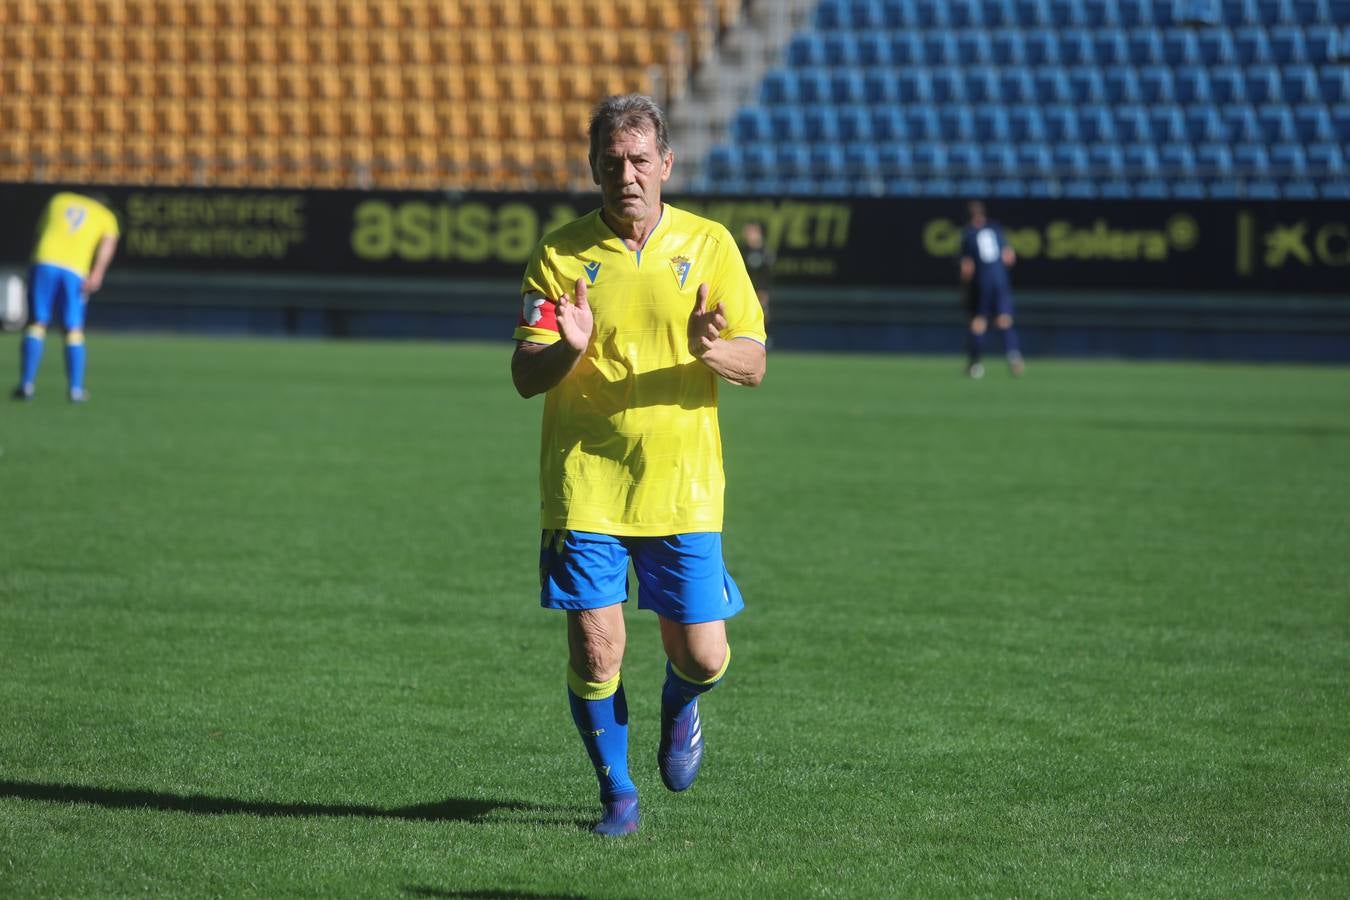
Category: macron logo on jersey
<point>592,270</point>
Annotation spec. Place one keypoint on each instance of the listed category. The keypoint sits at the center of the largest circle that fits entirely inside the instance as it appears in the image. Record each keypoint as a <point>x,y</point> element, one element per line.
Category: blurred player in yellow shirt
<point>630,316</point>
<point>76,241</point>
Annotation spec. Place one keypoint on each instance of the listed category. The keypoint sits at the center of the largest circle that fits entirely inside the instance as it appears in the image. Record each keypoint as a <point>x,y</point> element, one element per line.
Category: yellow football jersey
<point>631,444</point>
<point>69,231</point>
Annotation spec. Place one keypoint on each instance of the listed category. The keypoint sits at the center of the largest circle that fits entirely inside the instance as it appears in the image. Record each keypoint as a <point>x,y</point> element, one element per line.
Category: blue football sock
<point>975,346</point>
<point>680,690</point>
<point>75,364</point>
<point>600,711</point>
<point>1011,344</point>
<point>30,354</point>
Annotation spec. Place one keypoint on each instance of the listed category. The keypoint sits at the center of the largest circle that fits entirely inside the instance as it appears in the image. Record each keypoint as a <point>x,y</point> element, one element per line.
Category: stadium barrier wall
<point>1231,278</point>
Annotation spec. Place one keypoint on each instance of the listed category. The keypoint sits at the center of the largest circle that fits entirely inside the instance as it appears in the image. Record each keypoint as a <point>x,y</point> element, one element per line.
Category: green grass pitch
<point>268,626</point>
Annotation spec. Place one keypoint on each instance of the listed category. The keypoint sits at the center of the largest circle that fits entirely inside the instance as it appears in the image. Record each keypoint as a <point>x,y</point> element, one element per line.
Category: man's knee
<point>698,651</point>
<point>1004,322</point>
<point>595,644</point>
<point>979,325</point>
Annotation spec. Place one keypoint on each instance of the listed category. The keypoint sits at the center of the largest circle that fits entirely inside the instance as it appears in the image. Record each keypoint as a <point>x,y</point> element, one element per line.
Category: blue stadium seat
<point>1263,85</point>
<point>1192,85</point>
<point>930,159</point>
<point>1289,160</point>
<point>949,85</point>
<point>1252,46</point>
<point>820,123</point>
<point>751,124</point>
<point>792,159</point>
<point>934,15</point>
<point>983,86</point>
<point>1241,12</point>
<point>1010,48</point>
<point>1177,160</point>
<point>758,159</point>
<point>1204,124</point>
<point>1076,48</point>
<point>855,124</point>
<point>1277,123</point>
<point>1326,160</point>
<point>1071,160</point>
<point>1181,48</point>
<point>1146,46</point>
<point>777,86</point>
<point>1228,85</point>
<point>898,14</point>
<point>888,124</point>
<point>846,86</point>
<point>992,123</point>
<point>880,87</point>
<point>1112,189</point>
<point>1000,14</point>
<point>1123,85</point>
<point>974,48</point>
<point>1334,81</point>
<point>1277,12</point>
<point>965,158</point>
<point>1340,117</point>
<point>895,160</point>
<point>832,14</point>
<point>1132,124</point>
<point>874,49</point>
<point>1061,123</point>
<point>1096,124</point>
<point>966,14</point>
<point>998,160</point>
<point>1196,12</point>
<point>939,48</point>
<point>1032,13</point>
<point>1263,189</point>
<point>806,48</point>
<point>840,49</point>
<point>1112,48</point>
<point>906,186</point>
<point>1052,85</point>
<point>1035,159</point>
<point>1141,160</point>
<point>1298,189</point>
<point>914,86</point>
<point>1027,124</point>
<point>1134,13</point>
<point>1214,160</point>
<point>957,123</point>
<point>861,161</point>
<point>1323,44</point>
<point>1216,47</point>
<point>1240,123</point>
<point>1080,189</point>
<point>724,161</point>
<point>1151,189</point>
<point>907,48</point>
<point>813,85</point>
<point>1155,86</point>
<point>1313,124</point>
<point>786,123</point>
<point>1336,189</point>
<point>1300,85</point>
<point>1102,14</point>
<point>1188,189</point>
<point>1042,47</point>
<point>827,160</point>
<point>1017,86</point>
<point>1287,45</point>
<point>1251,160</point>
<point>921,123</point>
<point>1066,13</point>
<point>1086,85</point>
<point>1168,123</point>
<point>1106,161</point>
<point>1008,189</point>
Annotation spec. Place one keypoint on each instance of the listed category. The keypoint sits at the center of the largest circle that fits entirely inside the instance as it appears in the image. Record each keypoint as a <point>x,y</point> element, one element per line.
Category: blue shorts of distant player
<point>54,291</point>
<point>989,299</point>
<point>681,577</point>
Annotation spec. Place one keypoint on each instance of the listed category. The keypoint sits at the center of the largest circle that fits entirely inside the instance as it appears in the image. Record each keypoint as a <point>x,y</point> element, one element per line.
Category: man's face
<point>630,170</point>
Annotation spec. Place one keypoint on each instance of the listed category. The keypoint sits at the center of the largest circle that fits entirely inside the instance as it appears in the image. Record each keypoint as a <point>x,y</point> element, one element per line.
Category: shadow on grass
<point>488,895</point>
<point>454,809</point>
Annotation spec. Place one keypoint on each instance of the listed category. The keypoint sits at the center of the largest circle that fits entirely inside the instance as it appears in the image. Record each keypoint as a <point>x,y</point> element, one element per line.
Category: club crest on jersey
<point>592,270</point>
<point>681,265</point>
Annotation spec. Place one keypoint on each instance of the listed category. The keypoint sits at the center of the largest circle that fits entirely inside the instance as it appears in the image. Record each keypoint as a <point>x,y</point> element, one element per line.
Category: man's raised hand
<point>705,325</point>
<point>575,321</point>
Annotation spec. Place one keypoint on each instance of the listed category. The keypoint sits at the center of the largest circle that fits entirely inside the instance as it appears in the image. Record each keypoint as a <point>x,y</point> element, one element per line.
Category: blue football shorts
<point>681,577</point>
<point>54,291</point>
<point>989,300</point>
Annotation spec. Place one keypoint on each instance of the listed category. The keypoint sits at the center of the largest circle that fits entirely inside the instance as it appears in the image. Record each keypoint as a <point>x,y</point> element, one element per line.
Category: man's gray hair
<point>628,112</point>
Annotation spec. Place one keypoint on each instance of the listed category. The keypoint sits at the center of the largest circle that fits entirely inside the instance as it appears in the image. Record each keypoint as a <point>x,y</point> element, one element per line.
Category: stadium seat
<point>788,123</point>
<point>820,124</point>
<point>1326,160</point>
<point>1155,85</point>
<point>1035,158</point>
<point>1240,123</point>
<point>907,49</point>
<point>855,124</point>
<point>1334,82</point>
<point>930,159</point>
<point>1192,85</point>
<point>957,123</point>
<point>888,124</point>
<point>1300,85</point>
<point>1177,160</point>
<point>1132,124</point>
<point>1251,160</point>
<point>1017,86</point>
<point>965,159</point>
<point>1216,47</point>
<point>992,123</point>
<point>791,160</point>
<point>839,49</point>
<point>1289,160</point>
<point>1106,161</point>
<point>1263,84</point>
<point>1214,160</point>
<point>922,124</point>
<point>1052,86</point>
<point>1009,48</point>
<point>880,87</point>
<point>1228,85</point>
<point>1086,85</point>
<point>949,85</point>
<point>861,161</point>
<point>895,160</point>
<point>983,86</point>
<point>1027,124</point>
<point>1277,123</point>
<point>1323,44</point>
<point>806,49</point>
<point>1146,47</point>
<point>1096,124</point>
<point>1111,47</point>
<point>1071,160</point>
<point>999,160</point>
<point>1061,124</point>
<point>974,48</point>
<point>940,48</point>
<point>1168,123</point>
<point>1313,124</point>
<point>1042,48</point>
<point>1252,46</point>
<point>1076,48</point>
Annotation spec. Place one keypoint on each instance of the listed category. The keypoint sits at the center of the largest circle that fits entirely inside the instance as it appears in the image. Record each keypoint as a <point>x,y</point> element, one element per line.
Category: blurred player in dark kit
<point>986,257</point>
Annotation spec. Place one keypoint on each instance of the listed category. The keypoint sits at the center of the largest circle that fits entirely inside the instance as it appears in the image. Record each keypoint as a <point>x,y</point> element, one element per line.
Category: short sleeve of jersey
<point>539,292</point>
<point>730,285</point>
<point>110,228</point>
